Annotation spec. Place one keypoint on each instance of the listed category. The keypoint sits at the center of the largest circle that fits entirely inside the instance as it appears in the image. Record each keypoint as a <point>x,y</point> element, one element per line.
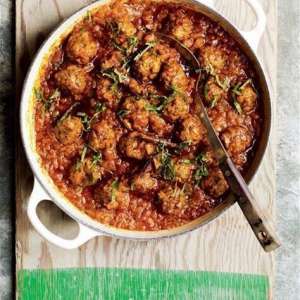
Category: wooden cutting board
<point>226,245</point>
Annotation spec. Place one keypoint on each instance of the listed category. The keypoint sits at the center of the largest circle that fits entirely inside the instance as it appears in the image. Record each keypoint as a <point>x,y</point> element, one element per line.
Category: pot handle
<point>253,36</point>
<point>38,195</point>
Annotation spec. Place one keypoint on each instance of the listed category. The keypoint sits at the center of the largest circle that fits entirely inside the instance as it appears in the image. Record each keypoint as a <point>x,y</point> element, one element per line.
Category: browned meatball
<point>108,92</point>
<point>73,79</point>
<point>113,59</point>
<point>177,108</point>
<point>144,183</point>
<point>247,99</point>
<point>114,194</point>
<point>135,87</point>
<point>110,159</point>
<point>148,66</point>
<point>174,201</point>
<point>173,77</point>
<point>69,130</point>
<point>223,116</point>
<point>192,130</point>
<point>132,146</point>
<point>103,135</point>
<point>181,25</point>
<point>159,125</point>
<point>183,169</point>
<point>236,139</point>
<point>85,173</point>
<point>213,92</point>
<point>126,27</point>
<point>136,115</point>
<point>215,58</point>
<point>214,184</point>
<point>82,46</point>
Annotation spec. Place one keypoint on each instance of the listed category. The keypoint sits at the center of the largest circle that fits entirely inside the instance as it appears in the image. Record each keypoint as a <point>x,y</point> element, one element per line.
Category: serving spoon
<point>260,224</point>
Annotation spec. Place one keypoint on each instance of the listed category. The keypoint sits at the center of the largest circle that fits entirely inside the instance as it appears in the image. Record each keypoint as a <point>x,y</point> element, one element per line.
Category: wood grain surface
<point>227,244</point>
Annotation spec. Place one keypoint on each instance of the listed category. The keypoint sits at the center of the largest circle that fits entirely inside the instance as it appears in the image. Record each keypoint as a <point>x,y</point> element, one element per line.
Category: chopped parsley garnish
<point>46,102</point>
<point>88,17</point>
<point>149,45</point>
<point>86,120</point>
<point>68,112</point>
<point>237,106</point>
<point>123,112</point>
<point>182,146</point>
<point>167,170</point>
<point>237,89</point>
<point>116,76</point>
<point>96,158</point>
<point>225,85</point>
<point>201,170</point>
<point>114,189</point>
<point>100,107</point>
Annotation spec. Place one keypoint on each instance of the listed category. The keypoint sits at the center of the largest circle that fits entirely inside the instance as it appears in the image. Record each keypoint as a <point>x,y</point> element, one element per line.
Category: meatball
<point>215,58</point>
<point>213,92</point>
<point>114,194</point>
<point>159,125</point>
<point>148,66</point>
<point>177,108</point>
<point>73,79</point>
<point>214,184</point>
<point>144,183</point>
<point>236,139</point>
<point>85,173</point>
<point>136,114</point>
<point>181,25</point>
<point>183,170</point>
<point>110,159</point>
<point>82,46</point>
<point>247,99</point>
<point>135,87</point>
<point>174,77</point>
<point>174,201</point>
<point>69,130</point>
<point>103,135</point>
<point>113,59</point>
<point>108,92</point>
<point>133,147</point>
<point>126,27</point>
<point>192,130</point>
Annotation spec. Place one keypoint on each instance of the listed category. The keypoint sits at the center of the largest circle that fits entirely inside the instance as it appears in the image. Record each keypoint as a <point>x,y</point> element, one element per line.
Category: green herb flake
<point>225,85</point>
<point>182,146</point>
<point>88,17</point>
<point>186,161</point>
<point>167,170</point>
<point>100,107</point>
<point>85,120</point>
<point>116,76</point>
<point>132,42</point>
<point>123,112</point>
<point>237,106</point>
<point>114,189</point>
<point>148,46</point>
<point>96,158</point>
<point>38,95</point>
<point>214,102</point>
<point>83,154</point>
<point>46,102</point>
<point>201,170</point>
<point>238,88</point>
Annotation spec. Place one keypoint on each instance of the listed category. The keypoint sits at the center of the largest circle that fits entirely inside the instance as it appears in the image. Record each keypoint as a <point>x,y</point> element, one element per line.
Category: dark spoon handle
<point>263,231</point>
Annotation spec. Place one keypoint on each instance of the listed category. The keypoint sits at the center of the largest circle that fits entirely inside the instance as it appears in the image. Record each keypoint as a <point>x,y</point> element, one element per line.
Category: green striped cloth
<point>138,284</point>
